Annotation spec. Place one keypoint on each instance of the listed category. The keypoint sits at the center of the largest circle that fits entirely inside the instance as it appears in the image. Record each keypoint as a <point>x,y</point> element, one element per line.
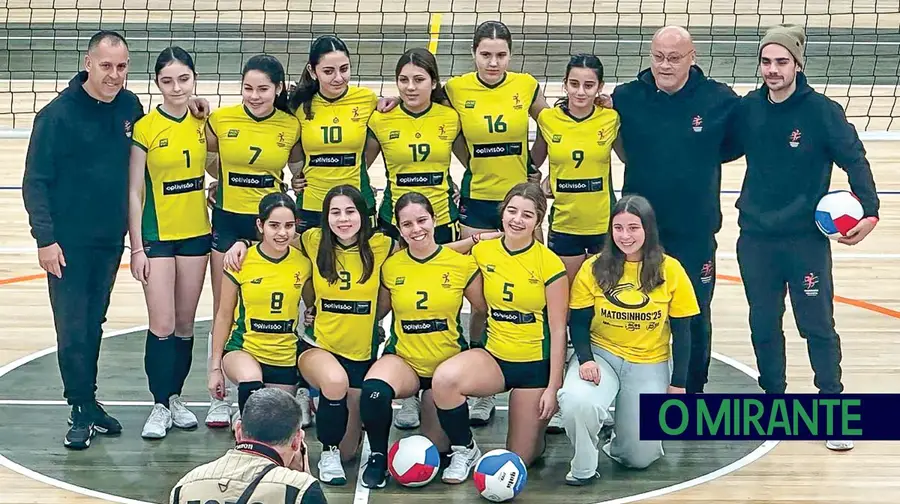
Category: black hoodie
<point>76,171</point>
<point>790,147</point>
<point>674,147</point>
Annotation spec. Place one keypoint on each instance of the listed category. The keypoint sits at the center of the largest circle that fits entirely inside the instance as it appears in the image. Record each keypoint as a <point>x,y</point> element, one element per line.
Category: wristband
<point>136,251</point>
<point>246,242</point>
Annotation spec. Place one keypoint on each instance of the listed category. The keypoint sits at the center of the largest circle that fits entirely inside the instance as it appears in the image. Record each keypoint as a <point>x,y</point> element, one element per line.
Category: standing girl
<point>170,237</point>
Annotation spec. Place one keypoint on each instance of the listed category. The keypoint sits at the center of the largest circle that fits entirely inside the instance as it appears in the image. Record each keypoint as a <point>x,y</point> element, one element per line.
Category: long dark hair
<point>423,59</point>
<point>274,70</point>
<point>582,60</point>
<point>326,259</point>
<point>491,30</point>
<point>307,87</point>
<point>173,54</point>
<point>610,264</point>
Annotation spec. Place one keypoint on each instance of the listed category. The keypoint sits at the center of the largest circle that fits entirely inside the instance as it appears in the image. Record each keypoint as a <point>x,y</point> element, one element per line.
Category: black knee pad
<point>376,392</point>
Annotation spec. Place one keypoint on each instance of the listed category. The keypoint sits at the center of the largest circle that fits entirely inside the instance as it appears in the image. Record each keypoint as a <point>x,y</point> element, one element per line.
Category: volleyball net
<point>852,51</point>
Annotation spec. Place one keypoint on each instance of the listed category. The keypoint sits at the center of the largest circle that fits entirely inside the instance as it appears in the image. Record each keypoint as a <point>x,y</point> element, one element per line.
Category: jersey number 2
<point>420,304</point>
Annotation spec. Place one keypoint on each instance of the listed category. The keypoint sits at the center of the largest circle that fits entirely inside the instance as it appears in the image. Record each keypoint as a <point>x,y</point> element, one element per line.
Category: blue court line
<point>618,191</point>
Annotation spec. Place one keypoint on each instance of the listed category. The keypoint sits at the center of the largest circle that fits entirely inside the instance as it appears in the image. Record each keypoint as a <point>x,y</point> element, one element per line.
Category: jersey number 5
<point>277,301</point>
<point>507,292</point>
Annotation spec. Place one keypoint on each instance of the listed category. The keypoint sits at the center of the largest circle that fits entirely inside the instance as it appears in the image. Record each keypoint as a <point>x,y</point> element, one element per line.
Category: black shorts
<point>444,234</point>
<point>185,247</point>
<point>479,214</point>
<point>524,375</point>
<point>278,375</point>
<point>229,227</point>
<point>565,244</point>
<point>356,370</point>
<point>424,383</point>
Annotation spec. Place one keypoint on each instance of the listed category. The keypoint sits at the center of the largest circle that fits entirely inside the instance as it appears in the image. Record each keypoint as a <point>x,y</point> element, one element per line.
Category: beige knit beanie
<point>791,37</point>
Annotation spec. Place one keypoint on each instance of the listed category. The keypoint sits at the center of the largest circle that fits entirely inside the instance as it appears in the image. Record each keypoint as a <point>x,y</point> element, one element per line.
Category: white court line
<point>361,494</point>
<point>526,39</point>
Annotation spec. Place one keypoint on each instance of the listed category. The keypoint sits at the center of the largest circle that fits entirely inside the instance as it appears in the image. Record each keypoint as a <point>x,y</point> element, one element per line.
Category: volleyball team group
<point>612,304</point>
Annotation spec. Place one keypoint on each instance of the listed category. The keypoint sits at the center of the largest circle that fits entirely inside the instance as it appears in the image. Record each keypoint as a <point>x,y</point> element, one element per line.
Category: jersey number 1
<point>187,157</point>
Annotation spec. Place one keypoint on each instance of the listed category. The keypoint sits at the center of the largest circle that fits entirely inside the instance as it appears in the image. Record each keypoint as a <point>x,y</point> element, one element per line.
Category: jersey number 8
<point>277,302</point>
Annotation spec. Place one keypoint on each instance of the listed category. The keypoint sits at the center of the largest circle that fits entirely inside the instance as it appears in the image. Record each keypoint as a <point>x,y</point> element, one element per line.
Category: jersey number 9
<point>345,280</point>
<point>578,157</point>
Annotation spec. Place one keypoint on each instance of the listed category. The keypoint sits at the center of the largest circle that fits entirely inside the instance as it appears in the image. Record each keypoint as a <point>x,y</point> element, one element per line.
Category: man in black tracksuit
<point>673,138</point>
<point>791,135</point>
<point>76,194</point>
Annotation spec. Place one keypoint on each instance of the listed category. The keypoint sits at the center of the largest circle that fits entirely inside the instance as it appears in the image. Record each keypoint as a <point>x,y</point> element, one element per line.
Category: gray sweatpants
<point>584,407</point>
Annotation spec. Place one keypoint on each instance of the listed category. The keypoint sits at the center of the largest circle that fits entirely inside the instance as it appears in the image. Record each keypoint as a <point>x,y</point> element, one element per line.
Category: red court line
<point>859,303</point>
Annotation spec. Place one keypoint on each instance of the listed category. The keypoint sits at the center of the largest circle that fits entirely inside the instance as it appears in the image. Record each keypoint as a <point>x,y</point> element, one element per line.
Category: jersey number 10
<point>332,134</point>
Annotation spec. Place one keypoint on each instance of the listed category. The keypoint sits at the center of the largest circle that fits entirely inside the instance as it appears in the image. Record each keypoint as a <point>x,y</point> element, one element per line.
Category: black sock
<point>184,355</point>
<point>455,423</point>
<point>331,421</point>
<point>376,413</point>
<point>244,391</point>
<point>159,363</point>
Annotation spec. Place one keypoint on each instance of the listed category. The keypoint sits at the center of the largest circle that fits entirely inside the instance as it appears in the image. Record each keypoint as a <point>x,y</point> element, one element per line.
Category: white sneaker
<point>839,445</point>
<point>331,471</point>
<point>462,460</point>
<point>158,423</point>
<point>556,426</point>
<point>182,417</point>
<point>219,414</point>
<point>408,416</point>
<point>305,412</point>
<point>481,410</point>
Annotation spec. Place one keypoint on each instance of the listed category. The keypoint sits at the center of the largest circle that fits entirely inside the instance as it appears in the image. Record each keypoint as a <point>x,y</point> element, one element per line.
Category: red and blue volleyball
<point>414,461</point>
<point>837,213</point>
<point>500,475</point>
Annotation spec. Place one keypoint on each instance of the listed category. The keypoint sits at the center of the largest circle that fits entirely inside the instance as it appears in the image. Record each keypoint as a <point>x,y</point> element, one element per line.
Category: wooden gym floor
<point>39,470</point>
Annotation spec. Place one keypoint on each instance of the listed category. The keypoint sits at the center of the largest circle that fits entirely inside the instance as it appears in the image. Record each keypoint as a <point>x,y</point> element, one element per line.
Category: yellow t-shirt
<point>495,123</point>
<point>174,199</point>
<point>268,306</point>
<point>416,150</point>
<point>334,142</point>
<point>579,156</point>
<point>629,323</point>
<point>426,299</point>
<point>515,291</point>
<point>345,310</point>
<point>253,152</point>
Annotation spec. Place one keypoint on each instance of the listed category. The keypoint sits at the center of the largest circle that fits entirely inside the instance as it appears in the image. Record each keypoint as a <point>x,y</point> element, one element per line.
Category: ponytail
<point>274,70</point>
<point>307,86</point>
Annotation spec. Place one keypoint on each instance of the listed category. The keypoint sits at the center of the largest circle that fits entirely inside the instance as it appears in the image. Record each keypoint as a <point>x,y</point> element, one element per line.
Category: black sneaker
<point>82,430</point>
<point>103,423</point>
<point>376,473</point>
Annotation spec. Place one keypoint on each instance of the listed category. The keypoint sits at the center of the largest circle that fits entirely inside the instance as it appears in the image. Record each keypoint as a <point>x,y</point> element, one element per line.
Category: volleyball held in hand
<point>500,475</point>
<point>413,461</point>
<point>837,213</point>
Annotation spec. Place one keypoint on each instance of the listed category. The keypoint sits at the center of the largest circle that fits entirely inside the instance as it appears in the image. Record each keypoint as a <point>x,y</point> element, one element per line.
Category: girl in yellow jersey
<point>416,140</point>
<point>333,114</point>
<point>254,141</point>
<point>424,286</point>
<point>170,235</point>
<point>579,138</point>
<point>254,339</point>
<point>526,291</point>
<point>626,304</point>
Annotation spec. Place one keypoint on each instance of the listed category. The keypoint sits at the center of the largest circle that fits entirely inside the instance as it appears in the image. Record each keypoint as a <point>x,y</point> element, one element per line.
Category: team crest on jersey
<point>556,138</point>
<point>355,117</point>
<point>442,132</point>
<point>128,129</point>
<point>517,103</point>
<point>446,278</point>
<point>298,280</point>
<point>794,139</point>
<point>697,124</point>
<point>395,134</point>
<point>470,103</point>
<point>281,139</point>
<point>200,137</point>
<point>399,280</point>
<point>163,143</point>
<point>233,133</point>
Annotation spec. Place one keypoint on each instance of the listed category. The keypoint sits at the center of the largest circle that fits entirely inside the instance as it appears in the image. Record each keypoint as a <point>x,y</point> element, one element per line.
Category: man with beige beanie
<point>791,135</point>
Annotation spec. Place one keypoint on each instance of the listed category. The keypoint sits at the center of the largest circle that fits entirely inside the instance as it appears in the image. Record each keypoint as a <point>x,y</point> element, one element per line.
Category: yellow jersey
<point>426,299</point>
<point>334,143</point>
<point>253,152</point>
<point>579,154</point>
<point>174,195</point>
<point>629,323</point>
<point>417,150</point>
<point>268,308</point>
<point>495,123</point>
<point>345,310</point>
<point>515,291</point>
